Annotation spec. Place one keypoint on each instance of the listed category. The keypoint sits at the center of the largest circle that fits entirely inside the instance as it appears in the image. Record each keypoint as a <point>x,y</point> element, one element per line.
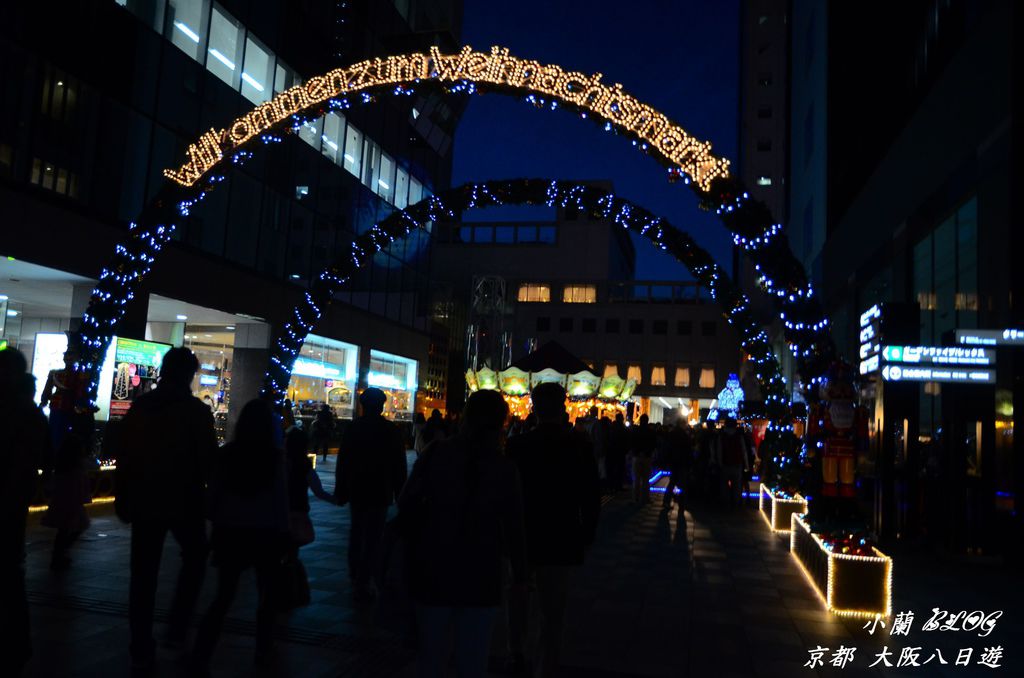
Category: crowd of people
<point>495,516</point>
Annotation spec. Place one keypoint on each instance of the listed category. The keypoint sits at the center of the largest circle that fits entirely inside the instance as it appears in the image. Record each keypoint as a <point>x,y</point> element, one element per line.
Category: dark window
<point>526,233</point>
<point>764,112</point>
<point>762,20</point>
<point>808,134</point>
<point>764,79</point>
<point>764,145</point>
<point>590,325</point>
<point>636,326</point>
<point>684,327</point>
<point>546,234</point>
<point>708,328</point>
<point>504,234</point>
<point>543,324</point>
<point>565,324</point>
<point>611,325</point>
<point>659,327</point>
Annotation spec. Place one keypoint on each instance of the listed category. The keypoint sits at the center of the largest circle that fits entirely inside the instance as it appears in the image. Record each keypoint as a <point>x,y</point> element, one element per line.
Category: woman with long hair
<point>462,511</point>
<point>248,505</point>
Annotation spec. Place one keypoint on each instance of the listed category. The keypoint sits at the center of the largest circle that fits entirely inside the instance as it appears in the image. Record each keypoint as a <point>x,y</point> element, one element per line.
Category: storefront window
<point>401,189</point>
<point>353,150</point>
<point>396,376</point>
<point>334,129</point>
<point>415,191</point>
<point>386,181</point>
<point>325,371</point>
<point>310,132</point>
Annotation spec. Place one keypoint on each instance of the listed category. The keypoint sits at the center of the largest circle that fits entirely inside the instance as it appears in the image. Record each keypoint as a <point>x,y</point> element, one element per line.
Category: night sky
<point>679,56</point>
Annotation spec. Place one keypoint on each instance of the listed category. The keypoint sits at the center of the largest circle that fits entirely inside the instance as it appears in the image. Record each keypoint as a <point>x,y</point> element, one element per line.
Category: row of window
<point>708,328</point>
<point>658,375</point>
<point>502,234</point>
<point>571,294</point>
<point>211,36</point>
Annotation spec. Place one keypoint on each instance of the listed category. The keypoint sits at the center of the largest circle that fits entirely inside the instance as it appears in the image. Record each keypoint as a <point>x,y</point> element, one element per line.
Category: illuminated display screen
<point>948,375</point>
<point>939,355</point>
<point>1007,337</point>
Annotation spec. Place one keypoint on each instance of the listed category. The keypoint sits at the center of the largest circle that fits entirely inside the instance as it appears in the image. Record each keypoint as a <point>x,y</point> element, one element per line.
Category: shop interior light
<point>187,31</point>
<point>221,58</point>
<point>181,317</point>
<point>349,158</point>
<point>330,143</point>
<point>11,313</point>
<point>3,297</point>
<point>252,81</point>
<point>384,184</point>
<point>230,327</point>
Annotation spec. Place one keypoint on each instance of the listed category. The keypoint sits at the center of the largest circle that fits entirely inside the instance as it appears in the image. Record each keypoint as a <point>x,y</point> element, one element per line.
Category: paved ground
<point>713,593</point>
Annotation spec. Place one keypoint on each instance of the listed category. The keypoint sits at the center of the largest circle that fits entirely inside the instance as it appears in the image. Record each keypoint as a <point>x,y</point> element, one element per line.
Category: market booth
<point>553,363</point>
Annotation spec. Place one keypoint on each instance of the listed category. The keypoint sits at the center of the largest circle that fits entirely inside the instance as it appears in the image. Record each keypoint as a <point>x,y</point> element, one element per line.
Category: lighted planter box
<point>851,586</point>
<point>777,510</point>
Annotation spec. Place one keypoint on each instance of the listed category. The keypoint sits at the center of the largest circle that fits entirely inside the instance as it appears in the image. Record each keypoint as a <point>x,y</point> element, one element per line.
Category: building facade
<point>99,98</point>
<point>571,279</point>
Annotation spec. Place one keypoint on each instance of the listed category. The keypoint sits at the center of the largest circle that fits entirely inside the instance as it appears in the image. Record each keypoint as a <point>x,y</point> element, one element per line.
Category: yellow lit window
<point>707,377</point>
<point>634,373</point>
<point>927,300</point>
<point>579,294</point>
<point>966,301</point>
<point>682,377</point>
<point>658,375</point>
<point>611,370</point>
<point>533,292</point>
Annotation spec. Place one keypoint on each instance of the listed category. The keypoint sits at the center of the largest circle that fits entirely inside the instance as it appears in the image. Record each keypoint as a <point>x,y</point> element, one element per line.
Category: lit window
<point>333,129</point>
<point>634,373</point>
<point>927,300</point>
<point>386,181</point>
<point>257,72</point>
<point>658,375</point>
<point>532,292</point>
<point>579,294</point>
<point>682,379</point>
<point>353,150</point>
<point>311,131</point>
<point>611,370</point>
<point>284,78</point>
<point>415,191</point>
<point>764,181</point>
<point>225,46</point>
<point>707,377</point>
<point>186,25</point>
<point>371,164</point>
<point>401,189</point>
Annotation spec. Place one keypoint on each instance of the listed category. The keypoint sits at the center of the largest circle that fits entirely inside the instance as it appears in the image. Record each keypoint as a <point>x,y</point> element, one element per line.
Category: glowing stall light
<point>255,84</point>
<point>183,27</point>
<point>313,368</point>
<point>221,58</point>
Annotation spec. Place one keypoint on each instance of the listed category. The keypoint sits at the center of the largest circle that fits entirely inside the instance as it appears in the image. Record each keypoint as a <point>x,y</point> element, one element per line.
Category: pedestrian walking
<point>679,448</point>
<point>560,519</point>
<point>302,479</point>
<point>248,506</point>
<point>615,453</point>
<point>730,455</point>
<point>167,445</point>
<point>26,444</point>
<point>369,476</point>
<point>321,430</point>
<point>643,440</point>
<point>463,513</point>
<point>63,392</point>
<point>68,495</point>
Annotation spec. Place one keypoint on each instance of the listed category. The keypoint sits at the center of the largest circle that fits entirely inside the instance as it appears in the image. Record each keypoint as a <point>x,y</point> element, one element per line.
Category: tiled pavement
<point>713,595</point>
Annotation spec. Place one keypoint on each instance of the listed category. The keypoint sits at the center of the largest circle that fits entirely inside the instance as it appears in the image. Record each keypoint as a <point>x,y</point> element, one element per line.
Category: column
<point>250,358</point>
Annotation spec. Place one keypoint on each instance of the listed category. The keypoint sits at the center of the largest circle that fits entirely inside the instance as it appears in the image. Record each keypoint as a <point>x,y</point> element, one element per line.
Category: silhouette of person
<point>615,453</point>
<point>464,503</point>
<point>248,503</point>
<point>322,429</point>
<point>167,445</point>
<point>562,501</point>
<point>26,444</point>
<point>643,441</point>
<point>66,512</point>
<point>369,476</point>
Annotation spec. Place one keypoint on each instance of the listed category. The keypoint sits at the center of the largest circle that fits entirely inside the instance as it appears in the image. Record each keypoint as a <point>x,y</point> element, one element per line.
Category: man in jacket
<point>731,454</point>
<point>562,500</point>
<point>166,447</point>
<point>369,476</point>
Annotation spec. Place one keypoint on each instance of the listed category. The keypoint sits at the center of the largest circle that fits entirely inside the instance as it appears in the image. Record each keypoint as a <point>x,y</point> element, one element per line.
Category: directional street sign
<point>1007,337</point>
<point>947,375</point>
<point>939,355</point>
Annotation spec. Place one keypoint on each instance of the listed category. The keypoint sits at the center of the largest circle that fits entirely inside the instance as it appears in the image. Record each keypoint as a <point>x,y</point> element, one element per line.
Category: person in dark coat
<point>643,441</point>
<point>167,445</point>
<point>679,446</point>
<point>463,513</point>
<point>617,447</point>
<point>26,445</point>
<point>321,430</point>
<point>369,477</point>
<point>248,506</point>
<point>562,501</point>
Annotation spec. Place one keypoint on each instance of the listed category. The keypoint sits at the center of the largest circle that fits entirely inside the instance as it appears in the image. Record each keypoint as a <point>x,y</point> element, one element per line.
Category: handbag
<point>290,585</point>
<point>300,527</point>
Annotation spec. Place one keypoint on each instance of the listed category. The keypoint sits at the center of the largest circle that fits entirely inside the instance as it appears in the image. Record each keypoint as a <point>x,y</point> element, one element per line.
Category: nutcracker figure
<point>836,431</point>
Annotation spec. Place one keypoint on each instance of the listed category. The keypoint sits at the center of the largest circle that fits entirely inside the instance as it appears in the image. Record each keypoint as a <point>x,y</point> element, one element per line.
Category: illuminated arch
<point>686,158</point>
<point>591,199</point>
